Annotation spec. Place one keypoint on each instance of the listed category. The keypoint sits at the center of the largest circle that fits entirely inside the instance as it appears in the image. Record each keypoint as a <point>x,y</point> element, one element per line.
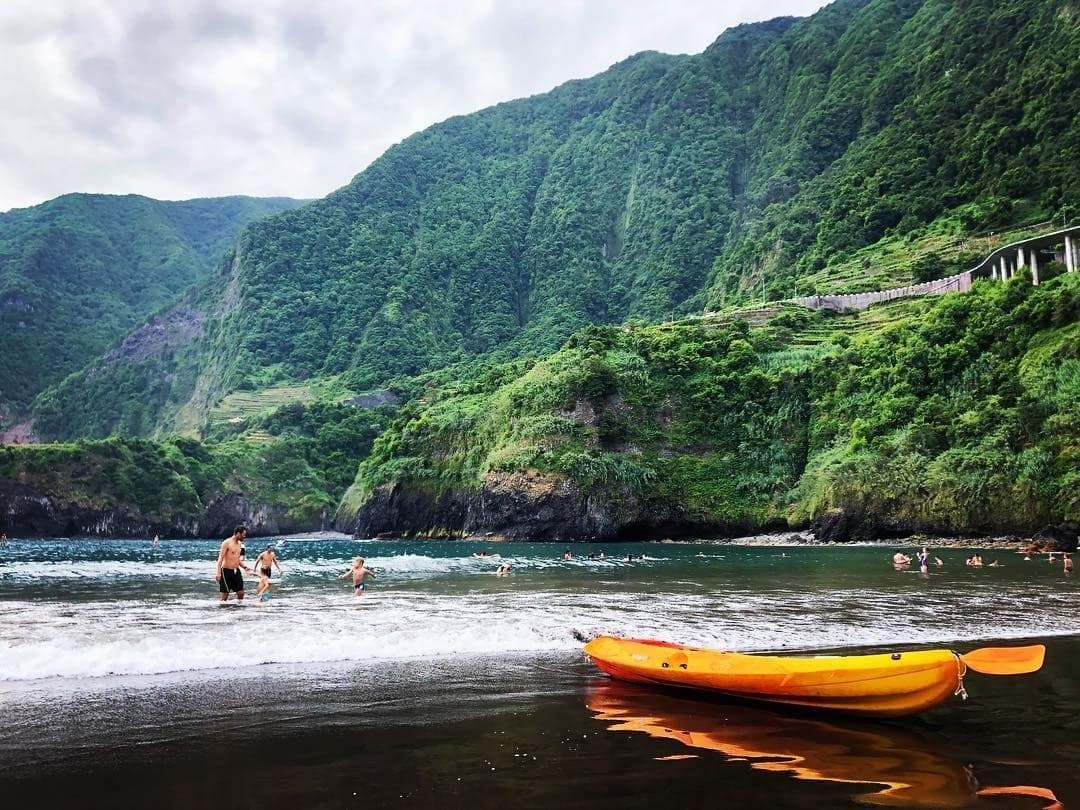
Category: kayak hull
<point>882,685</point>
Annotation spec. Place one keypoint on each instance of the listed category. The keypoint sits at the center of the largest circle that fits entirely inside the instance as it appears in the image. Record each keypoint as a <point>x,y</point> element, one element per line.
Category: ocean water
<point>97,608</point>
<point>124,683</point>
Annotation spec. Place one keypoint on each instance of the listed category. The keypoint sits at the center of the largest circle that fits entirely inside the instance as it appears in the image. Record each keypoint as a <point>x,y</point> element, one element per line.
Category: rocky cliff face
<point>27,512</point>
<point>527,506</point>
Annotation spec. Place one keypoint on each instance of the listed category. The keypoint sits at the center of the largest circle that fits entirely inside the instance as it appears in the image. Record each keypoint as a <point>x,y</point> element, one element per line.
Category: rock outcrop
<point>25,512</point>
<point>528,506</point>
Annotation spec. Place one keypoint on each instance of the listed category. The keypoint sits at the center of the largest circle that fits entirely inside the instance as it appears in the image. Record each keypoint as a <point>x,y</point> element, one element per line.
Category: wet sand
<point>520,731</point>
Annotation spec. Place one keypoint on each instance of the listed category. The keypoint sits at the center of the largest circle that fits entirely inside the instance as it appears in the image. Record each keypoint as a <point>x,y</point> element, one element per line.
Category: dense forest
<point>666,186</point>
<point>79,272</point>
<point>548,291</point>
<point>952,414</point>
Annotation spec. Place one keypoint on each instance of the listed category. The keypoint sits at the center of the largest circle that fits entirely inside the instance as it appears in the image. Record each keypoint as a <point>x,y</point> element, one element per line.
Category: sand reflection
<point>898,768</point>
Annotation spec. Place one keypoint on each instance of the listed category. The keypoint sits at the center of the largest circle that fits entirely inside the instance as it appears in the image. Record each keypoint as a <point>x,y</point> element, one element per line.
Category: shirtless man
<point>263,562</point>
<point>229,562</point>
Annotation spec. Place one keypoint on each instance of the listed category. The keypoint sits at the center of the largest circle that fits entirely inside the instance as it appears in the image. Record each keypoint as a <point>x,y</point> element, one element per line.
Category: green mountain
<point>951,414</point>
<point>779,159</point>
<point>79,272</point>
<point>498,273</point>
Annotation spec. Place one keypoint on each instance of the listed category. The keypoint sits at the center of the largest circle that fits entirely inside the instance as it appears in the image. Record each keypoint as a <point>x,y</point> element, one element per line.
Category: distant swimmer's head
<point>240,530</point>
<point>269,546</point>
<point>358,561</point>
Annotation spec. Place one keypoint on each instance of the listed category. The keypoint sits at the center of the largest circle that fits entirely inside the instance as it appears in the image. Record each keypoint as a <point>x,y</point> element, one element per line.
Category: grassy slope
<point>78,272</point>
<point>956,413</point>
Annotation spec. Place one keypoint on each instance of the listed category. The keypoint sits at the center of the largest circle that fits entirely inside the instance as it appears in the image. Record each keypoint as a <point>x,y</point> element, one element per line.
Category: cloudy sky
<point>199,98</point>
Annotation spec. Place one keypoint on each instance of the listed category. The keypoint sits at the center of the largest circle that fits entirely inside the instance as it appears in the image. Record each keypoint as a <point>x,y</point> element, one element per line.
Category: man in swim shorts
<point>229,563</point>
<point>358,572</point>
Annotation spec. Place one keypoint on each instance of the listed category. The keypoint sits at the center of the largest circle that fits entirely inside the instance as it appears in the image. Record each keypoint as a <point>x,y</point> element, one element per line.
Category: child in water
<point>358,572</point>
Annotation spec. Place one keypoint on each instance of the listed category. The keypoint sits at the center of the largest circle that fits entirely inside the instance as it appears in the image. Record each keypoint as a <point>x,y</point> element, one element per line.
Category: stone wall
<point>961,282</point>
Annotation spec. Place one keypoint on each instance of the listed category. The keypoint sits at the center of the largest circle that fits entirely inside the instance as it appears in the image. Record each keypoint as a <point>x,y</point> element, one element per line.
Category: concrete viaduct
<point>1002,264</point>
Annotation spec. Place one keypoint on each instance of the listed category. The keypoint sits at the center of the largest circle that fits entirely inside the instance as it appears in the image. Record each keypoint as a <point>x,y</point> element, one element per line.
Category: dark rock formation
<point>857,526</point>
<point>1055,538</point>
<point>25,512</point>
<point>528,506</point>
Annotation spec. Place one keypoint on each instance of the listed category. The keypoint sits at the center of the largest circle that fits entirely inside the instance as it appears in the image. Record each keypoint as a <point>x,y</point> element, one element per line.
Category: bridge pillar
<point>1070,260</point>
<point>1004,269</point>
<point>1034,265</point>
<point>1021,259</point>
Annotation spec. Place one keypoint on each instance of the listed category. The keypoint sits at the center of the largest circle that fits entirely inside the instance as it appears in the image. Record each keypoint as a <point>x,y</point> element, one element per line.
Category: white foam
<point>450,606</point>
<point>53,640</point>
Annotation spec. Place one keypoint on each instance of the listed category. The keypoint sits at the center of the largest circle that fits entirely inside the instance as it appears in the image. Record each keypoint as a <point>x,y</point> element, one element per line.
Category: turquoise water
<point>89,608</point>
<point>123,681</point>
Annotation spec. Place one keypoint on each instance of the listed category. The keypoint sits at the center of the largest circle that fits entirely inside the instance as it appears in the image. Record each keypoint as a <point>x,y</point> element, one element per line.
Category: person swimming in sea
<point>924,560</point>
<point>358,572</point>
<point>229,563</point>
<point>503,570</point>
<point>1068,564</point>
<point>900,560</point>
<point>263,563</point>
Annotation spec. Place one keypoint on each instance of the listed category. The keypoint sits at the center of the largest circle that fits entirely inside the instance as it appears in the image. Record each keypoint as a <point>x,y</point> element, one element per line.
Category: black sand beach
<point>522,732</point>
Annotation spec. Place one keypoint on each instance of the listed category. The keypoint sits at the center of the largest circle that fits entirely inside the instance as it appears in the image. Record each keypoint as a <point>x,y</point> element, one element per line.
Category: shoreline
<point>793,539</point>
<point>490,738</point>
<point>799,539</point>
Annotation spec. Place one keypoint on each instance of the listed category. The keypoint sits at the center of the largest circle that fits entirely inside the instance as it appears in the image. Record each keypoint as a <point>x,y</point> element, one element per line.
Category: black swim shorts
<point>231,580</point>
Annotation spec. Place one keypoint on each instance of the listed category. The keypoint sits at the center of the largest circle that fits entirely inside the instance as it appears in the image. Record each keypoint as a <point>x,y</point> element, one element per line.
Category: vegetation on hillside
<point>78,272</point>
<point>665,186</point>
<point>301,466</point>
<point>960,415</point>
<point>862,147</point>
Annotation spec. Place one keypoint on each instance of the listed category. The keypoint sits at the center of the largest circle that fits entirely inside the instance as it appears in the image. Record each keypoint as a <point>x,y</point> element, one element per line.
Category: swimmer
<point>938,562</point>
<point>229,562</point>
<point>503,570</point>
<point>263,563</point>
<point>358,572</point>
<point>1068,566</point>
<point>900,560</point>
<point>566,555</point>
<point>995,564</point>
<point>924,560</point>
<point>157,541</point>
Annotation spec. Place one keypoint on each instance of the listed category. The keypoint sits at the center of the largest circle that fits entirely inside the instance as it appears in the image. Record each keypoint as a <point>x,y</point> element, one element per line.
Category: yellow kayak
<point>883,685</point>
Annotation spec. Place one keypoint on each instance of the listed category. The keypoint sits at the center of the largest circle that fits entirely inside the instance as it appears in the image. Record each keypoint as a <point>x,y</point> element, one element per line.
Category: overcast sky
<point>183,98</point>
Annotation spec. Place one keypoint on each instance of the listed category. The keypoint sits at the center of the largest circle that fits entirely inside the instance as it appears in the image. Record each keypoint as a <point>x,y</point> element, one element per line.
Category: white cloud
<point>181,98</point>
